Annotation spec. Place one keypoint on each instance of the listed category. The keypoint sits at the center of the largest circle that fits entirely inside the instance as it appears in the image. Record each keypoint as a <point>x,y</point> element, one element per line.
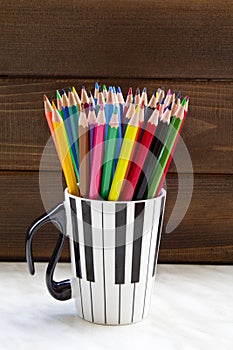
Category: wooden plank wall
<point>184,45</point>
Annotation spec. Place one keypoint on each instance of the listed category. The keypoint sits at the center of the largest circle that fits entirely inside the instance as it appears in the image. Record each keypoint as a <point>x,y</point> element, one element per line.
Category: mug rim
<point>162,194</point>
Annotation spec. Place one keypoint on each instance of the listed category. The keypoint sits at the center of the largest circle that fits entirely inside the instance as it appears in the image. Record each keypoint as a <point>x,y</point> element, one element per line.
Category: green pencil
<point>109,154</point>
<point>74,118</point>
<point>166,151</point>
<point>59,104</point>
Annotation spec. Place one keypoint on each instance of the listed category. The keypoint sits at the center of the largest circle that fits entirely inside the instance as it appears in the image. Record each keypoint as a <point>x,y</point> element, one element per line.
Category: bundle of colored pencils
<point>113,149</point>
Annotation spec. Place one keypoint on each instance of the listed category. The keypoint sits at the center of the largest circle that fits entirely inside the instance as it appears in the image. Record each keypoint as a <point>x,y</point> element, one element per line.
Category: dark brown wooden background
<point>186,45</point>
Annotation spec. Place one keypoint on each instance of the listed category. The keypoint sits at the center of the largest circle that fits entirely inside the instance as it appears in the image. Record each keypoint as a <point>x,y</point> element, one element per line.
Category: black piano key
<point>137,241</point>
<point>88,245</point>
<point>120,240</point>
<point>159,233</point>
<point>75,237</point>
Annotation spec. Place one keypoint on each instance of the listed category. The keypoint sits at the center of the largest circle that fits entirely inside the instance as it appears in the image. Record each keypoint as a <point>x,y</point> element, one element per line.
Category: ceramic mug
<point>114,249</point>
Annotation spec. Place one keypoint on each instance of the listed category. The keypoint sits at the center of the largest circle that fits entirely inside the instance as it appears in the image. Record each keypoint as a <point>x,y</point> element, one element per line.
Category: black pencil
<point>151,160</point>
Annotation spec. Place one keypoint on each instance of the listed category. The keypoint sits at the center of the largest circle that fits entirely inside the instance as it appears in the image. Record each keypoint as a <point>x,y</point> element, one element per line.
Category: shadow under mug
<point>114,249</point>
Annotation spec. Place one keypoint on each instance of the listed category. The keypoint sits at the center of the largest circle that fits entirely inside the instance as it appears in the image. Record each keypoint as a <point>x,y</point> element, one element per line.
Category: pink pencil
<point>97,154</point>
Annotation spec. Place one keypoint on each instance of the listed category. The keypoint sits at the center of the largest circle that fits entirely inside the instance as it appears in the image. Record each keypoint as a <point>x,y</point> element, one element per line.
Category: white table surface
<point>192,309</point>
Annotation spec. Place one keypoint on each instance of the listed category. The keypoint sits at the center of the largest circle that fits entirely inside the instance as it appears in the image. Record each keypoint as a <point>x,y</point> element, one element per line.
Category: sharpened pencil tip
<point>162,102</point>
<point>58,94</point>
<point>46,98</point>
<point>83,87</point>
<point>155,93</point>
<point>184,102</point>
<point>63,92</point>
<point>114,89</point>
<point>69,89</point>
<point>144,89</point>
<point>130,91</point>
<point>100,89</point>
<point>110,89</point>
<point>119,89</point>
<point>137,91</point>
<point>53,105</point>
<point>169,92</point>
<point>179,95</point>
<point>96,86</point>
<point>104,87</point>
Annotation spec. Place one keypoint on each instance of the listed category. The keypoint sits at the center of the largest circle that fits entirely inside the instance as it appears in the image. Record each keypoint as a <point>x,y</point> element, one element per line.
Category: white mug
<point>114,248</point>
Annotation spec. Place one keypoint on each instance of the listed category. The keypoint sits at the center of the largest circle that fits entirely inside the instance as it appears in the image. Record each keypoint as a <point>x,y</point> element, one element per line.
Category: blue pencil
<point>96,92</point>
<point>109,107</point>
<point>91,130</point>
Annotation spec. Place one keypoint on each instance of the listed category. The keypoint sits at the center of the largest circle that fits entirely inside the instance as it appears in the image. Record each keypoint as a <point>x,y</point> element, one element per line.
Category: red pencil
<point>173,149</point>
<point>137,165</point>
<point>97,154</point>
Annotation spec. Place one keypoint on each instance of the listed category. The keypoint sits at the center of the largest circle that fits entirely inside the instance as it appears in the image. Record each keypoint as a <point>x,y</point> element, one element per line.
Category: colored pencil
<point>68,128</point>
<point>124,158</point>
<point>173,149</point>
<point>138,162</point>
<point>105,92</point>
<point>85,100</point>
<point>129,114</point>
<point>109,107</point>
<point>63,151</point>
<point>59,104</point>
<point>144,97</point>
<point>74,118</point>
<point>166,151</point>
<point>151,160</point>
<point>141,139</point>
<point>128,102</point>
<point>97,155</point>
<point>137,96</point>
<point>96,93</point>
<point>83,154</point>
<point>91,129</point>
<point>151,106</point>
<point>49,114</point>
<point>114,95</point>
<point>109,154</point>
<point>78,101</point>
<point>120,97</point>
<point>91,98</point>
<point>121,102</point>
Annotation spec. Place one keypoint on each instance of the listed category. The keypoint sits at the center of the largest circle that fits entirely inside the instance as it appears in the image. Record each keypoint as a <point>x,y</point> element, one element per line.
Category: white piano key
<point>75,284</point>
<point>127,289</point>
<point>140,286</point>
<point>98,290</point>
<point>85,285</point>
<point>150,278</point>
<point>112,290</point>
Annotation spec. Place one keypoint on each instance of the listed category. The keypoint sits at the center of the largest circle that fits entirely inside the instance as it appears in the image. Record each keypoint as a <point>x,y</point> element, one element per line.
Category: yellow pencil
<point>64,153</point>
<point>124,157</point>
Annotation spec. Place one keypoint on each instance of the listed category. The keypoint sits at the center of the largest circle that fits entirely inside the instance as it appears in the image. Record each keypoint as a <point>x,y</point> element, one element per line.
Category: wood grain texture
<point>124,38</point>
<point>208,131</point>
<point>204,236</point>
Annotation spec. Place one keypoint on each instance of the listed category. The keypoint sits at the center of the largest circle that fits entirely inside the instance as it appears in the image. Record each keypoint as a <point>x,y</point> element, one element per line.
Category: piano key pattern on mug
<point>128,251</point>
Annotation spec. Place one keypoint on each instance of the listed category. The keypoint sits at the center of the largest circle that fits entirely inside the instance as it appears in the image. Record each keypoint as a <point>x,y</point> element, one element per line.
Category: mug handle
<point>59,290</point>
